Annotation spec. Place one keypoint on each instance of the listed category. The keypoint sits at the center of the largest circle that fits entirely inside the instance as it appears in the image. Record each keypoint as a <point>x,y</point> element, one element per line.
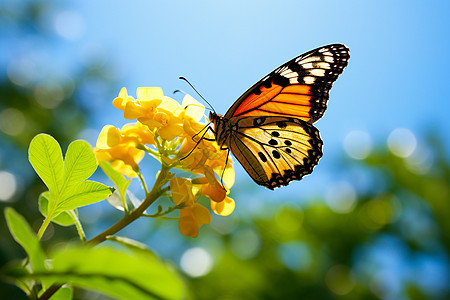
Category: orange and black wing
<point>275,150</point>
<point>299,88</point>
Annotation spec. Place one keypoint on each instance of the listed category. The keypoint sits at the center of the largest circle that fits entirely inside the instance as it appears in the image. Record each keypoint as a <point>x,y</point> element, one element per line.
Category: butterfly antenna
<point>182,78</point>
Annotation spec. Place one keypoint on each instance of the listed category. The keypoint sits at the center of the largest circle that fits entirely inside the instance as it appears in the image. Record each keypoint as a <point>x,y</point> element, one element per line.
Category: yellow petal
<point>171,131</point>
<point>228,176</point>
<point>132,110</point>
<point>209,174</point>
<point>121,100</point>
<point>108,137</point>
<point>181,190</point>
<point>168,105</point>
<point>187,224</point>
<point>193,108</point>
<point>150,105</point>
<point>123,93</point>
<point>124,169</point>
<point>102,155</point>
<point>150,123</point>
<point>223,208</point>
<point>202,215</point>
<point>149,93</point>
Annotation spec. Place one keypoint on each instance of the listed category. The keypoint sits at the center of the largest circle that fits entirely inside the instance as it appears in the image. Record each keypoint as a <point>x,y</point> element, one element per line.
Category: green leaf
<point>129,243</point>
<point>118,179</point>
<point>24,235</point>
<point>123,275</point>
<point>84,193</point>
<point>79,163</point>
<point>46,158</point>
<point>116,201</point>
<point>63,293</point>
<point>64,218</point>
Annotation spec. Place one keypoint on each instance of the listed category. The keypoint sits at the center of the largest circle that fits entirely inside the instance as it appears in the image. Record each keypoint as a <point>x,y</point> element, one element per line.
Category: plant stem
<point>143,182</point>
<point>151,197</point>
<point>43,227</point>
<point>79,227</point>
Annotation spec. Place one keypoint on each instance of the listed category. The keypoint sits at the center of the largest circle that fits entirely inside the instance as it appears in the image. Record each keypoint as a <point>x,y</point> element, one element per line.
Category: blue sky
<point>396,78</point>
<point>397,75</point>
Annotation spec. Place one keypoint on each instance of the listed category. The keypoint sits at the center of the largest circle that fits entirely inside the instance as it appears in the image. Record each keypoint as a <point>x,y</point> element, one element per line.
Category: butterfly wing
<point>299,88</point>
<point>275,150</point>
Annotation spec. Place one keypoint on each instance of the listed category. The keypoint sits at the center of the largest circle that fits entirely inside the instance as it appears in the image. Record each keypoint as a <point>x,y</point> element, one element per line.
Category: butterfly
<point>269,128</point>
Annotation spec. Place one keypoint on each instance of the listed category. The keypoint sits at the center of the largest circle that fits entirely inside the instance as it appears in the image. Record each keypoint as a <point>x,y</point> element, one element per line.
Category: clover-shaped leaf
<point>66,180</point>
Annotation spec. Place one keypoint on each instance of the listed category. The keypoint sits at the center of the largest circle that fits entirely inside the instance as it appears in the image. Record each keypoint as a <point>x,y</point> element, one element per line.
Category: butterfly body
<point>269,128</point>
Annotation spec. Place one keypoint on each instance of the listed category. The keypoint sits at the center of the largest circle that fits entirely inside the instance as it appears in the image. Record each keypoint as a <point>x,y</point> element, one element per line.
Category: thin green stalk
<point>79,227</point>
<point>43,227</point>
<point>151,197</point>
<point>144,185</point>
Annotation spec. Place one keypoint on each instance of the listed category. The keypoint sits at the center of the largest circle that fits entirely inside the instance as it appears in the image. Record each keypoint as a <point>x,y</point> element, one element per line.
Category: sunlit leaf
<point>79,162</point>
<point>115,201</point>
<point>118,179</point>
<point>46,158</point>
<point>129,243</point>
<point>24,235</point>
<point>84,193</point>
<point>63,219</point>
<point>122,275</point>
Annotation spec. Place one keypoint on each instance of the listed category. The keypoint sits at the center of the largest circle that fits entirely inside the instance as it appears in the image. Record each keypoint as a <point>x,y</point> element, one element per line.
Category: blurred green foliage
<point>392,242</point>
<point>37,95</point>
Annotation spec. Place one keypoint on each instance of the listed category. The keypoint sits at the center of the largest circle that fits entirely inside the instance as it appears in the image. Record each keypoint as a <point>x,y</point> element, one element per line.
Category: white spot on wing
<point>293,80</point>
<point>310,59</point>
<point>290,75</point>
<point>322,65</point>
<point>309,79</point>
<point>317,72</point>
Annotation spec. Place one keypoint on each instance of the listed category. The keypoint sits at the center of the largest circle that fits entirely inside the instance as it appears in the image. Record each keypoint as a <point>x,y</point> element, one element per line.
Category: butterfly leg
<point>226,162</point>
<point>198,142</point>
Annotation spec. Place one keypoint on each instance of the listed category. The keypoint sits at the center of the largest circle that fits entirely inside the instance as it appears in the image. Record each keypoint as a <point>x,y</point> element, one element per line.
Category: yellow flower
<point>209,186</point>
<point>119,147</point>
<point>223,208</point>
<point>165,120</point>
<point>206,153</point>
<point>148,99</point>
<point>181,141</point>
<point>192,215</point>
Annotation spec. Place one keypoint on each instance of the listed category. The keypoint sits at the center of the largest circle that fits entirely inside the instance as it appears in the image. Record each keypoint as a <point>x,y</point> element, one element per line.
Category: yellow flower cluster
<point>176,133</point>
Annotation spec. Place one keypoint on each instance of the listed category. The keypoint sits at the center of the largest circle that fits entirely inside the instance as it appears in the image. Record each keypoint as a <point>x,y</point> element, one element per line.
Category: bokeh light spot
<point>22,71</point>
<point>420,161</point>
<point>341,197</point>
<point>376,213</point>
<point>295,255</point>
<point>339,280</point>
<point>196,262</point>
<point>245,243</point>
<point>8,186</point>
<point>358,144</point>
<point>289,220</point>
<point>69,25</point>
<point>402,142</point>
<point>12,121</point>
<point>48,96</point>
